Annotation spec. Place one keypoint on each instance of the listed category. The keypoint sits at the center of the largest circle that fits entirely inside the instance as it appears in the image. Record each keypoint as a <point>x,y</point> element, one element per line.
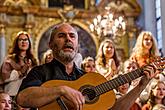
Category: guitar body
<point>98,92</point>
<point>85,83</point>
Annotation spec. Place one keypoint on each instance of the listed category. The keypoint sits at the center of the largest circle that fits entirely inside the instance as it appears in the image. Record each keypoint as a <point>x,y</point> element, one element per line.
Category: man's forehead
<point>66,27</point>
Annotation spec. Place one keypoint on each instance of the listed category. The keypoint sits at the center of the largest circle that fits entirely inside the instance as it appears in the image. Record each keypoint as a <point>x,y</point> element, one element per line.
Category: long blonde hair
<point>100,58</point>
<point>138,48</point>
<point>152,97</point>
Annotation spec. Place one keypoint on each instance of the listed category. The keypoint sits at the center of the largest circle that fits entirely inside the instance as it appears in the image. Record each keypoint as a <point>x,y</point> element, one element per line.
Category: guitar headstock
<point>159,63</point>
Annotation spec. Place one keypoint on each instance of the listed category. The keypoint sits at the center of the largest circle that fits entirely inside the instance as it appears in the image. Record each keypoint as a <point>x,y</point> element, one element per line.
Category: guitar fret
<point>106,86</point>
<point>125,79</point>
<point>100,89</point>
<point>115,81</point>
<point>113,84</point>
<point>132,76</point>
<point>128,78</point>
<point>139,71</point>
<point>120,83</point>
<point>103,87</point>
<point>136,74</point>
<point>121,79</point>
<point>97,91</point>
<point>110,84</point>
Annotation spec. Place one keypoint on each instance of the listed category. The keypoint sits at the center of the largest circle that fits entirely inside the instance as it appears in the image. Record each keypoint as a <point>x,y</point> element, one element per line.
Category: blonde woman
<point>5,101</point>
<point>88,64</point>
<point>159,107</point>
<point>47,57</point>
<point>156,95</point>
<point>145,49</point>
<point>107,63</point>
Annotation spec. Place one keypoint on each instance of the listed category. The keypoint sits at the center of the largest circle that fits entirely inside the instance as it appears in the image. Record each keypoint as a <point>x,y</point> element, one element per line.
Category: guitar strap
<point>61,104</point>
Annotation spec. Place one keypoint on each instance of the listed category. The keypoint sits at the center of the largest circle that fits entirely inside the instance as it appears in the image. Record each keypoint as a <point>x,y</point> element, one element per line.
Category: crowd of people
<point>22,76</point>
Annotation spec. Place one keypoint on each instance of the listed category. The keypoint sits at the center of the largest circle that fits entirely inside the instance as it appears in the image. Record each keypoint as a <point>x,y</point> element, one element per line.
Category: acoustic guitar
<point>97,90</point>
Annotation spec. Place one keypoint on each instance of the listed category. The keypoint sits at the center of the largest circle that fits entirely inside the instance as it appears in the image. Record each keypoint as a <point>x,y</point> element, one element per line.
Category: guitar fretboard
<point>118,81</point>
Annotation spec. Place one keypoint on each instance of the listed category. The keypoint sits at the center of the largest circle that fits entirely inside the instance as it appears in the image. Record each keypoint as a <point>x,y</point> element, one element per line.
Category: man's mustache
<point>68,45</point>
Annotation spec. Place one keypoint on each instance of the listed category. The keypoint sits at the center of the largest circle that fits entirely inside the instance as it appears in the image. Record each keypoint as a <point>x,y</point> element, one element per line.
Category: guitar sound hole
<point>89,93</point>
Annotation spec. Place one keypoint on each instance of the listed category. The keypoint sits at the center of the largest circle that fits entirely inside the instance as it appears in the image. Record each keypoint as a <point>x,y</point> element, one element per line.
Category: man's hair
<point>54,30</point>
<point>3,92</point>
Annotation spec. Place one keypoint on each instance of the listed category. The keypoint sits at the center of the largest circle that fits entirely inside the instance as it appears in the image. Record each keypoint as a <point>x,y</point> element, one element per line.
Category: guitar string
<point>104,87</point>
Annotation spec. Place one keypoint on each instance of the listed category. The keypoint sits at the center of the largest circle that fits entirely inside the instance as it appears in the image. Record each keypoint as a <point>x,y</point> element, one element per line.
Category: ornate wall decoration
<point>16,3</point>
<point>36,17</point>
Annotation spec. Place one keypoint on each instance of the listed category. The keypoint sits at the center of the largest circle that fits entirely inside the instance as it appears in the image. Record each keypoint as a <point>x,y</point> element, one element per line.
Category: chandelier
<point>108,25</point>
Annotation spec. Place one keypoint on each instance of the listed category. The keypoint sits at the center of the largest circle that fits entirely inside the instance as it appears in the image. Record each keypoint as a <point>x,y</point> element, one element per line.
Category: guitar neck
<point>118,81</point>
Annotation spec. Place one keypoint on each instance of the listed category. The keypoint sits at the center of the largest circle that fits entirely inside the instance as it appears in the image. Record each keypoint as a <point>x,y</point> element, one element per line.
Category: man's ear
<point>51,45</point>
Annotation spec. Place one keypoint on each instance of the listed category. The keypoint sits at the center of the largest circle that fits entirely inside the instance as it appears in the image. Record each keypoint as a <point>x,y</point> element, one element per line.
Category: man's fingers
<point>80,100</point>
<point>149,71</point>
<point>75,97</point>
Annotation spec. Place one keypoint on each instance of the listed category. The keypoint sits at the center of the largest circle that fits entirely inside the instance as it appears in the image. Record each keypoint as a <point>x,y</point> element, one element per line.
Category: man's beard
<point>63,56</point>
<point>66,56</point>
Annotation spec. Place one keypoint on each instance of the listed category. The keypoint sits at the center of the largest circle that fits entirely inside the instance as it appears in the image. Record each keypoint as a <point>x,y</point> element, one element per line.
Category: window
<point>158,23</point>
<point>60,3</point>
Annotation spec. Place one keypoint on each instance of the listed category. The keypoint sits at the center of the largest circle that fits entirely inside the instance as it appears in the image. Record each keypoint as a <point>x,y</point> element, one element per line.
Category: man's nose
<point>68,37</point>
<point>7,104</point>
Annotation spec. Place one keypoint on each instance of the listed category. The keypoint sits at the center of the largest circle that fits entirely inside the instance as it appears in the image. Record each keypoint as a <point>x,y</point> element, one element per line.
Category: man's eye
<point>60,36</point>
<point>10,102</point>
<point>72,36</point>
<point>2,102</point>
